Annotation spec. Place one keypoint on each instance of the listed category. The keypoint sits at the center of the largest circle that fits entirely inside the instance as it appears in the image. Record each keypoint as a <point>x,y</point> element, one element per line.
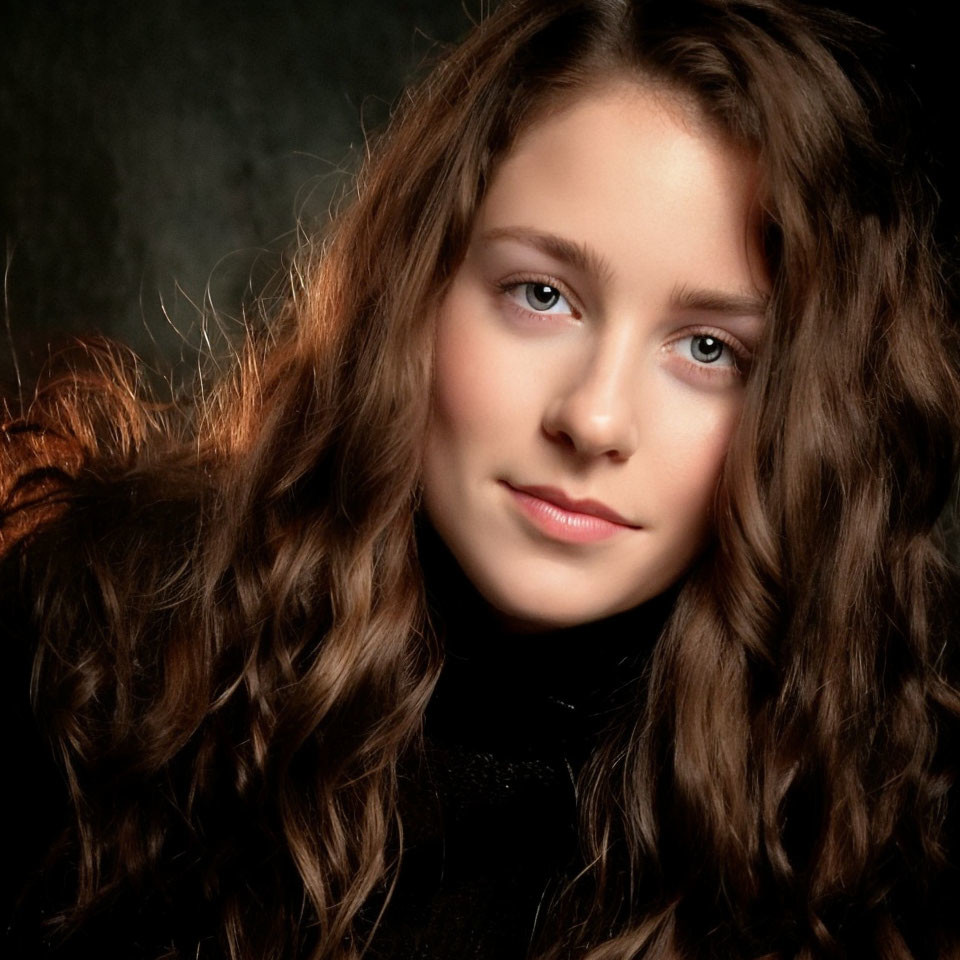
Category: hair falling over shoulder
<point>231,646</point>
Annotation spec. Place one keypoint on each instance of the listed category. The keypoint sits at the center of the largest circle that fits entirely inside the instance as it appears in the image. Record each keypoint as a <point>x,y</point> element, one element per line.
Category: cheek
<point>477,380</point>
<point>697,439</point>
<point>465,388</point>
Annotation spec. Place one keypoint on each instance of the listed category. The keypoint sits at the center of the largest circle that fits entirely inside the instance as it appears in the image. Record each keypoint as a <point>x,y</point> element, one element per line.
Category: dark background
<point>151,151</point>
<point>152,154</point>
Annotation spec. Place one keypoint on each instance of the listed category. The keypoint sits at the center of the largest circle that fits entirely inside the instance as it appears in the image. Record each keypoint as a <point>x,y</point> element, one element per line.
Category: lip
<point>593,508</point>
<point>564,518</point>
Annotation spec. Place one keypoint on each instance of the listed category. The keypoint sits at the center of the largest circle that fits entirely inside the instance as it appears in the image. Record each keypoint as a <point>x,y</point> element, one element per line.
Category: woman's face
<point>592,347</point>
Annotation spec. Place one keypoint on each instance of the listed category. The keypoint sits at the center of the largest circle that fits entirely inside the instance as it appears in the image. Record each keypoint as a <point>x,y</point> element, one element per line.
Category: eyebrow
<point>586,260</point>
<point>575,254</point>
<point>728,304</point>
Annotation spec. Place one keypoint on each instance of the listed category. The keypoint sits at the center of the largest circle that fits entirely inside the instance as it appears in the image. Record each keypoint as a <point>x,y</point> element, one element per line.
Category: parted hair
<point>225,613</point>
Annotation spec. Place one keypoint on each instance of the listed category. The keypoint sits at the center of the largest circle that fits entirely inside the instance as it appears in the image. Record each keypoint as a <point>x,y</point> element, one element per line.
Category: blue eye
<point>541,296</point>
<point>709,354</point>
<point>707,349</point>
<point>538,297</point>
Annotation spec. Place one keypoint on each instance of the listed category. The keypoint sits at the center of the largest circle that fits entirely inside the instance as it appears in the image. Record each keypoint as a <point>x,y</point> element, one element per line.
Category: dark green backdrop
<point>148,150</point>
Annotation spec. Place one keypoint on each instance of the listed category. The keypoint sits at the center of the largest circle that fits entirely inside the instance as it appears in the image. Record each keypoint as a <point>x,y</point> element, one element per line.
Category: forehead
<point>633,172</point>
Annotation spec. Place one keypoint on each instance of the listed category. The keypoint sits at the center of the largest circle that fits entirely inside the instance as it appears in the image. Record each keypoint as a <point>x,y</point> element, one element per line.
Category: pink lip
<point>577,521</point>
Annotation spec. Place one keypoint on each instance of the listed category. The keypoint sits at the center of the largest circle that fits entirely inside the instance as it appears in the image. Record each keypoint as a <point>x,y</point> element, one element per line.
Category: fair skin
<point>594,341</point>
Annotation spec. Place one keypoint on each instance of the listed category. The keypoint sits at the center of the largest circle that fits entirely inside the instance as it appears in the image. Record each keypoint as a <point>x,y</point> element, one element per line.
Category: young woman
<point>559,572</point>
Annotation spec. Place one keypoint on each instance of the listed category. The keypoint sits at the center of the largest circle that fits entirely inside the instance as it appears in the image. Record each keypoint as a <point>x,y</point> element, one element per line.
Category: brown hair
<point>233,643</point>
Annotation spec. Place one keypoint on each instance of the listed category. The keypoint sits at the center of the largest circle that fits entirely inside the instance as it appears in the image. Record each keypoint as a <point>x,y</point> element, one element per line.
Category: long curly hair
<point>222,598</point>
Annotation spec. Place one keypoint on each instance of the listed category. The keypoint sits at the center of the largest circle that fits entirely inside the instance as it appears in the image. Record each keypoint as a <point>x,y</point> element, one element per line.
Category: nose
<point>595,413</point>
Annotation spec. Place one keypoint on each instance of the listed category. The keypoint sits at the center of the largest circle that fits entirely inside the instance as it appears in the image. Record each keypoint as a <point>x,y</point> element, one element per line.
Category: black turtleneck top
<point>489,812</point>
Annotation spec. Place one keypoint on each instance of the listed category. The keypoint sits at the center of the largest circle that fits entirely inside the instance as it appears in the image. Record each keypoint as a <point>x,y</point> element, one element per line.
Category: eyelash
<point>741,356</point>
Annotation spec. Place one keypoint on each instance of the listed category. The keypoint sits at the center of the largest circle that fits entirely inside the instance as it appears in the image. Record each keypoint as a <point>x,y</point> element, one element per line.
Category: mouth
<point>564,518</point>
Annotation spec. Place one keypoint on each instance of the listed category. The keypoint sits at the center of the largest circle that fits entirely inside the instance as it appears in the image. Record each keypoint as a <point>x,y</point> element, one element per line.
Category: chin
<point>528,611</point>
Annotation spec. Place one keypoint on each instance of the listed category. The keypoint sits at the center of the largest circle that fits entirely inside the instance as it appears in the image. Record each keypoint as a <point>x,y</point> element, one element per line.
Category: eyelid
<point>520,279</point>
